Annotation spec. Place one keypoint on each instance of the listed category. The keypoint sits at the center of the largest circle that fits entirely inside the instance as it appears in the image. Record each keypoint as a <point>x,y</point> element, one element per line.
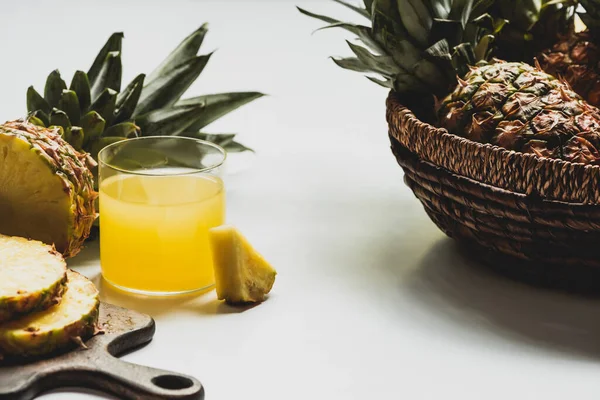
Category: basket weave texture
<point>532,210</point>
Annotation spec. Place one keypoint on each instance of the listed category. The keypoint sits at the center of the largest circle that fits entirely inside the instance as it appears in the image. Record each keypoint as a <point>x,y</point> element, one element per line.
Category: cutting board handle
<point>130,381</point>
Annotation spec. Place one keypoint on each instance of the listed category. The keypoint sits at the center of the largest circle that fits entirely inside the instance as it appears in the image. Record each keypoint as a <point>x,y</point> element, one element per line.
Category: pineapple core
<point>242,275</point>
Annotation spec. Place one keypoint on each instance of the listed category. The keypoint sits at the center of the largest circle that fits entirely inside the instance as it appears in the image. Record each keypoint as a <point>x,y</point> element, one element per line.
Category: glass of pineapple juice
<point>159,196</point>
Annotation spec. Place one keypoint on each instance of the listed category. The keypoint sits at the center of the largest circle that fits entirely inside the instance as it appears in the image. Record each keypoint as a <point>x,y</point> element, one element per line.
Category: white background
<point>371,300</point>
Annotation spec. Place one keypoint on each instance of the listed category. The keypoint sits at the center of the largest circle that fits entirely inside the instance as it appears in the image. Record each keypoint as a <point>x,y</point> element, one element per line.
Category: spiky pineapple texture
<point>522,108</point>
<point>54,203</point>
<point>524,28</point>
<point>94,112</point>
<point>576,55</point>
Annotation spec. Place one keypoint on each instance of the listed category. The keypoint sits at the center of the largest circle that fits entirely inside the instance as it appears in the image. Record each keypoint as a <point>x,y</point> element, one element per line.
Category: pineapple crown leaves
<point>591,16</point>
<point>416,46</point>
<point>94,112</point>
<point>526,27</point>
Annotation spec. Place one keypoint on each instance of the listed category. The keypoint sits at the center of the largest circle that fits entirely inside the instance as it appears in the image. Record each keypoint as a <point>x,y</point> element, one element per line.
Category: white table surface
<point>371,300</point>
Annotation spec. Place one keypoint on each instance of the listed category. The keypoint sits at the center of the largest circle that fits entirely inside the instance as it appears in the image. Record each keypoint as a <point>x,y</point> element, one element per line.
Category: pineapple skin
<point>12,307</point>
<point>519,107</point>
<point>38,340</point>
<point>575,59</point>
<point>69,166</point>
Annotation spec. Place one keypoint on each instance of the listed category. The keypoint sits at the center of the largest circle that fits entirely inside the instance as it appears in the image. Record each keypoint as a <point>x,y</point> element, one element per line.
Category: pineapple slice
<point>33,277</point>
<point>241,274</point>
<point>73,320</point>
<point>46,190</point>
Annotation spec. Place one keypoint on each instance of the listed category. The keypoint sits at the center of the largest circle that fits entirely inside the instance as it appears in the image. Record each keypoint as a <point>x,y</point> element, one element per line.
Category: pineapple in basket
<point>422,49</point>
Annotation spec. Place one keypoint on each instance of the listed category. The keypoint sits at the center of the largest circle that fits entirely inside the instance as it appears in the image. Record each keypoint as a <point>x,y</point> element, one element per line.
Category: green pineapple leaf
<point>127,100</point>
<point>225,140</point>
<point>236,147</point>
<point>76,139</point>
<point>70,105</point>
<point>217,105</point>
<point>381,64</point>
<point>417,20</point>
<point>109,75</point>
<point>165,90</point>
<point>42,116</point>
<point>124,129</point>
<point>112,44</point>
<point>105,105</point>
<point>364,33</point>
<point>95,103</point>
<point>81,86</point>
<point>59,118</point>
<point>323,18</point>
<point>93,126</point>
<point>222,139</point>
<point>386,82</point>
<point>186,50</point>
<point>168,121</point>
<point>35,101</point>
<point>101,143</point>
<point>36,121</point>
<point>365,13</point>
<point>351,63</point>
<point>53,89</point>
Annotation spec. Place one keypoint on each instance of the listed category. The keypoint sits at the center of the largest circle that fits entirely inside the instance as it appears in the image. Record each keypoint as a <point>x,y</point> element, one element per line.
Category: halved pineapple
<point>33,276</point>
<point>46,191</point>
<point>242,275</point>
<point>71,321</point>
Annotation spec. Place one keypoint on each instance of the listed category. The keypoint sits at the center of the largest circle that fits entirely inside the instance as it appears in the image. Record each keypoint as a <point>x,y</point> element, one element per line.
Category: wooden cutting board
<point>98,368</point>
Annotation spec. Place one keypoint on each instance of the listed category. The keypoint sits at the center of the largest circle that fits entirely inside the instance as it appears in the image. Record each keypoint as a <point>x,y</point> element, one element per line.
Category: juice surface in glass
<point>154,231</point>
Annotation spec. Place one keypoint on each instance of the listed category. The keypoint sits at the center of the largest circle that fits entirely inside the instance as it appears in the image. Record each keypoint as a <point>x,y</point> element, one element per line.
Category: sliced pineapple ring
<point>74,319</point>
<point>242,275</point>
<point>33,276</point>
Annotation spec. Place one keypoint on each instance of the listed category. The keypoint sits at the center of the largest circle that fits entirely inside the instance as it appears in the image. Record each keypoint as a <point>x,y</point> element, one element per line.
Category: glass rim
<point>193,170</point>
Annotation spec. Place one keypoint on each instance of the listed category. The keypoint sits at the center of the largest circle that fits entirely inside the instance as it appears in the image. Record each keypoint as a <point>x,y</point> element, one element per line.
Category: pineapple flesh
<point>242,275</point>
<point>46,191</point>
<point>522,108</point>
<point>33,277</point>
<point>70,322</point>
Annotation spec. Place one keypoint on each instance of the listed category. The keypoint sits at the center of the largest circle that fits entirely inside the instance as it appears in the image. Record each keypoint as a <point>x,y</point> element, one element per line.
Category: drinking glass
<point>159,196</point>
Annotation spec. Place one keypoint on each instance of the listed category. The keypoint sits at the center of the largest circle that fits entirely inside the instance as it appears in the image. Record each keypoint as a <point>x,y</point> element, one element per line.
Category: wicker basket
<point>536,219</point>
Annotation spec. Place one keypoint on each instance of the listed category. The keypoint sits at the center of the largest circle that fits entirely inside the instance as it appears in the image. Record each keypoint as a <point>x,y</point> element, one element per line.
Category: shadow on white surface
<point>201,302</point>
<point>465,292</point>
<point>153,306</point>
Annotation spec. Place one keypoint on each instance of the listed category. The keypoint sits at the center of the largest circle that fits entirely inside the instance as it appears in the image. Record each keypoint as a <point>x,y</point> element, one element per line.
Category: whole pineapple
<point>550,32</point>
<point>522,108</point>
<point>512,105</point>
<point>94,112</point>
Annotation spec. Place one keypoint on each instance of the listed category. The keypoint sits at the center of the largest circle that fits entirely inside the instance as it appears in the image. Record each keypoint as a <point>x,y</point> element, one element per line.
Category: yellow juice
<point>154,231</point>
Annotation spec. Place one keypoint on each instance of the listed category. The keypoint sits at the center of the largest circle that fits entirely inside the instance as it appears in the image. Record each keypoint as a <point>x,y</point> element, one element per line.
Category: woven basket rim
<point>528,174</point>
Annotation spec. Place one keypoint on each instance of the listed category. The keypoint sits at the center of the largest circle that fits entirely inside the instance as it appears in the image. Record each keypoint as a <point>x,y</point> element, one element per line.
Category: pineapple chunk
<point>241,274</point>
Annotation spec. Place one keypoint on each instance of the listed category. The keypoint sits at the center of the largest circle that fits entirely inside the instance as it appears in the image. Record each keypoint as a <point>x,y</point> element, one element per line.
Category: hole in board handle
<point>172,382</point>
